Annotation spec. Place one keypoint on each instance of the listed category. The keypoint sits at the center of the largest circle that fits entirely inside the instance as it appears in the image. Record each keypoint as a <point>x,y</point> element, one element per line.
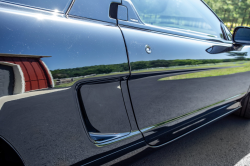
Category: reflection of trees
<point>237,54</point>
<point>82,71</point>
<point>173,13</point>
<point>232,12</point>
<point>240,58</point>
<point>150,6</point>
<point>105,69</point>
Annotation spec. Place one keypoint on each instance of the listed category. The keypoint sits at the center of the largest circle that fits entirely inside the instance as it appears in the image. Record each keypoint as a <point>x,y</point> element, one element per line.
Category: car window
<point>188,15</point>
<point>93,9</point>
<point>55,5</point>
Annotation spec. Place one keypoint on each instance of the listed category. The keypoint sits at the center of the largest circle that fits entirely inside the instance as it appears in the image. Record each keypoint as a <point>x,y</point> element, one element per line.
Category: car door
<point>182,67</point>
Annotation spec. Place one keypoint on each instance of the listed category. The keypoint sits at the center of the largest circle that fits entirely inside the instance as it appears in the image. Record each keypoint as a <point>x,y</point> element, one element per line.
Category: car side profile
<point>86,82</point>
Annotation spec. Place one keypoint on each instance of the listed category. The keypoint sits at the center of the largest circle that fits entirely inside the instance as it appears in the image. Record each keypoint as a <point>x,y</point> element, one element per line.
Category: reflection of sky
<point>168,47</point>
<point>74,43</point>
<point>70,43</point>
<point>60,5</point>
<point>181,14</point>
<point>78,60</point>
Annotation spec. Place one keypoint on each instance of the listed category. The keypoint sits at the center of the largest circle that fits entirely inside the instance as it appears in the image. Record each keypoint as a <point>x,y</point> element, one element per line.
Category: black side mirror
<point>241,35</point>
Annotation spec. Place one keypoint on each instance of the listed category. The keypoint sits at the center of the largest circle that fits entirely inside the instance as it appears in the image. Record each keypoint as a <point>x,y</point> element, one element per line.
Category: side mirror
<point>241,35</point>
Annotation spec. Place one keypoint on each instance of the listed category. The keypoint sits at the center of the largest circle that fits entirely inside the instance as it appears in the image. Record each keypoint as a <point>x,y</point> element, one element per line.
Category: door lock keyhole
<point>148,49</point>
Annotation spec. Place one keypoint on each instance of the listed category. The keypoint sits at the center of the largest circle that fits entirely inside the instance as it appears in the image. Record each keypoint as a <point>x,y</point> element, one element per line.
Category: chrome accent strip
<point>188,126</point>
<point>105,137</point>
<point>69,8</point>
<point>212,41</point>
<point>132,133</point>
<point>196,128</point>
<point>80,18</point>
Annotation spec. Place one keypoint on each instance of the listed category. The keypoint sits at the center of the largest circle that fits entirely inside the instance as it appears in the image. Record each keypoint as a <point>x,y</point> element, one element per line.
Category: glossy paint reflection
<point>57,5</point>
<point>85,54</point>
<point>97,104</point>
<point>69,50</point>
<point>76,44</point>
<point>177,101</point>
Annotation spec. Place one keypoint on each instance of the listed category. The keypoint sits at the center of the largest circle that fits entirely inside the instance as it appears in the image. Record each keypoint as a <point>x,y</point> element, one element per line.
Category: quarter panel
<point>59,37</point>
<point>46,126</point>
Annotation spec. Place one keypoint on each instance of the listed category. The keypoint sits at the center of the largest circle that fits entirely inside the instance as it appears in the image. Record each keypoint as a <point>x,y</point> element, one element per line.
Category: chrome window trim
<point>172,31</point>
<point>191,37</point>
<point>69,8</point>
<point>79,18</point>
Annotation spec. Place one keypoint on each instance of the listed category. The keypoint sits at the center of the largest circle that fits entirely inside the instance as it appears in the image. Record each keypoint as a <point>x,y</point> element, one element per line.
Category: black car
<point>84,82</point>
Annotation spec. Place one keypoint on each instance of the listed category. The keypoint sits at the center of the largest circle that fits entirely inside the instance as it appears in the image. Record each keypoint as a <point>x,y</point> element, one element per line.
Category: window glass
<point>189,15</point>
<point>58,5</point>
<point>93,9</point>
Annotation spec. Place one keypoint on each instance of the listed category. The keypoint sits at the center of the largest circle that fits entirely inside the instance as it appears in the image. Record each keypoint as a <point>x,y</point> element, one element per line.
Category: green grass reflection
<point>241,67</point>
